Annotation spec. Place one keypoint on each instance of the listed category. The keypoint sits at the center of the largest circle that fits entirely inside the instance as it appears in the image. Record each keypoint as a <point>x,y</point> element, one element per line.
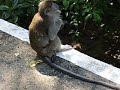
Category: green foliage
<point>17,11</point>
<point>66,4</point>
<point>80,14</point>
<point>83,13</point>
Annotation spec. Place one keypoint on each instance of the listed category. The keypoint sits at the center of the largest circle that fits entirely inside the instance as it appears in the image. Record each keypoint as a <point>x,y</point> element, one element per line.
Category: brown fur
<point>39,30</point>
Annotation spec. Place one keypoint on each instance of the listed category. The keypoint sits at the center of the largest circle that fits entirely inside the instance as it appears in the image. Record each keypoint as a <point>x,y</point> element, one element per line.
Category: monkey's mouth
<point>58,11</point>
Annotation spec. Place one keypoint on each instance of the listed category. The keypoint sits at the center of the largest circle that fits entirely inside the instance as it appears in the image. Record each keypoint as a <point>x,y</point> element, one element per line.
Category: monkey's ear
<point>47,10</point>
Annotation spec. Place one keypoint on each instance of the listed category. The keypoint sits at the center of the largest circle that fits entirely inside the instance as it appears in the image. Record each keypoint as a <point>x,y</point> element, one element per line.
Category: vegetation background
<point>93,26</point>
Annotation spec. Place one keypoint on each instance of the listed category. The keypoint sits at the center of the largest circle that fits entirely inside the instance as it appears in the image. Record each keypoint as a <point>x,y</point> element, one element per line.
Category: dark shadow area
<point>42,67</point>
<point>47,70</point>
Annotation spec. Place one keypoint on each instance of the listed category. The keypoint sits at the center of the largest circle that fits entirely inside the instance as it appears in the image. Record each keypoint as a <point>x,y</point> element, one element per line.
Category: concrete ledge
<point>100,68</point>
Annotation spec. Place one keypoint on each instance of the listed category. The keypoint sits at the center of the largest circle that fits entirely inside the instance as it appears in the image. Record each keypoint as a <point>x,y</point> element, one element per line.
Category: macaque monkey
<point>44,28</point>
<point>44,40</point>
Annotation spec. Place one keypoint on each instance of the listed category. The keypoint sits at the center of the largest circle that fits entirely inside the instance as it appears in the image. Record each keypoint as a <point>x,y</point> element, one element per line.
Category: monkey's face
<point>53,11</point>
<point>55,8</point>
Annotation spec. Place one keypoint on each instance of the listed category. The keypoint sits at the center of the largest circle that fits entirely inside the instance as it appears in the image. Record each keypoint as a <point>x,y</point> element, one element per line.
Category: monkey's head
<point>48,8</point>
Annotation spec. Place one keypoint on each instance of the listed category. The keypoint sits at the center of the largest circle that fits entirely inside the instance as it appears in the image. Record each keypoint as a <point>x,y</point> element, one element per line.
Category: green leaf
<point>16,19</point>
<point>24,5</point>
<point>66,4</point>
<point>5,15</point>
<point>71,6</point>
<point>99,12</point>
<point>4,7</point>
<point>96,17</point>
<point>15,2</point>
<point>89,16</point>
<point>86,11</point>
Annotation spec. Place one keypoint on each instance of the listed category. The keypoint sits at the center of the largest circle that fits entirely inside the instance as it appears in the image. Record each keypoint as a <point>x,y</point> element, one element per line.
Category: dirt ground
<point>15,73</point>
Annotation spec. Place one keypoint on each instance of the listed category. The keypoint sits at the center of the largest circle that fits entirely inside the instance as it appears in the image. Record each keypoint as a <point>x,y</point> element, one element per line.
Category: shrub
<point>80,14</point>
<point>84,14</point>
<point>19,12</point>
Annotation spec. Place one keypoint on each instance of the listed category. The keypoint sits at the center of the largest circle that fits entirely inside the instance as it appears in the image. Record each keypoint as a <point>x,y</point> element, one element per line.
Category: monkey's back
<point>37,34</point>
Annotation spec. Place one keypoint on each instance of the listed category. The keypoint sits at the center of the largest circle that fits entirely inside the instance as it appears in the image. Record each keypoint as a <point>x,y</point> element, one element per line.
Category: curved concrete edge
<point>98,67</point>
<point>14,30</point>
<point>84,61</point>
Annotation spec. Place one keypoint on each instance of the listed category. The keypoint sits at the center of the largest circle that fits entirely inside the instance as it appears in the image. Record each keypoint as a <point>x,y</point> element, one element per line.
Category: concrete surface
<point>15,73</point>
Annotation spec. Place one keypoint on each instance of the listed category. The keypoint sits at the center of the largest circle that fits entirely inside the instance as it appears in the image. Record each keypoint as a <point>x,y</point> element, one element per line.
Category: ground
<point>15,73</point>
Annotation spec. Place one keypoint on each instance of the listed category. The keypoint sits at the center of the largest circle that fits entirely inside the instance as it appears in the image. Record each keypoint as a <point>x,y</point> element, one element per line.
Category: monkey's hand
<point>59,22</point>
<point>54,29</point>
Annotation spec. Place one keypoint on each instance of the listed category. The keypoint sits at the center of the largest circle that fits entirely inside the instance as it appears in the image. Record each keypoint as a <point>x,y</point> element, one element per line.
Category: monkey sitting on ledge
<point>44,28</point>
<point>44,40</point>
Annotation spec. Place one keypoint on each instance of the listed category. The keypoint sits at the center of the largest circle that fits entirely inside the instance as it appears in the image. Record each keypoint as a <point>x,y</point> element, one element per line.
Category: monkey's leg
<point>54,58</point>
<point>54,48</point>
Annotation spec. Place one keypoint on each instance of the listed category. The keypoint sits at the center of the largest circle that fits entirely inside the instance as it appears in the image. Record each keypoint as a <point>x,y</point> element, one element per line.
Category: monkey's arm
<point>54,29</point>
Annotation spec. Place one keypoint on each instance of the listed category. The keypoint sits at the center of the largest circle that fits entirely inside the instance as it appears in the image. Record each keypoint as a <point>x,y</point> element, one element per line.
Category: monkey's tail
<point>76,76</point>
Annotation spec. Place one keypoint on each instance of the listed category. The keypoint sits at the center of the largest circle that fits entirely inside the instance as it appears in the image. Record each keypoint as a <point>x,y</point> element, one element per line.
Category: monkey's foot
<point>53,58</point>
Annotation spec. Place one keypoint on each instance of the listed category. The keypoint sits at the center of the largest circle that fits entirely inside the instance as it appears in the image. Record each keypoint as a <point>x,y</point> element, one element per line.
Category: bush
<point>86,14</point>
<point>80,14</point>
<point>19,12</point>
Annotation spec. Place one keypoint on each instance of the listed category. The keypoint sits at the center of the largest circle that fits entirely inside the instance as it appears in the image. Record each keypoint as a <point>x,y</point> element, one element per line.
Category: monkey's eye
<point>56,6</point>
